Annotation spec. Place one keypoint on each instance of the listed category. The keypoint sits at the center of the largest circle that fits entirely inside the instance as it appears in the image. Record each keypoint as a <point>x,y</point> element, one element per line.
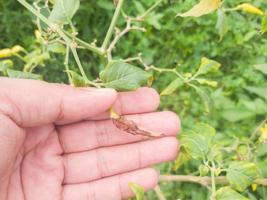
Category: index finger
<point>143,100</point>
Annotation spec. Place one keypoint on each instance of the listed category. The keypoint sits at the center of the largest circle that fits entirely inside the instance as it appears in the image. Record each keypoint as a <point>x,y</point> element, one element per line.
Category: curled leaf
<point>204,7</point>
<point>131,127</point>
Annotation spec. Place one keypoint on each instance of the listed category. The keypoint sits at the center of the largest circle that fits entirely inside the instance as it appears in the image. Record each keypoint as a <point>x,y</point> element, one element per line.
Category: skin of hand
<point>58,143</point>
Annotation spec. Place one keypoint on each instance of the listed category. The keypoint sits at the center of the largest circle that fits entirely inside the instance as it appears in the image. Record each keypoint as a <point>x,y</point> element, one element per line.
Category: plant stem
<point>205,181</point>
<point>112,24</point>
<point>77,59</point>
<point>151,9</point>
<point>84,44</point>
<point>160,70</point>
<point>59,30</point>
<point>159,193</point>
<point>213,181</point>
<point>66,63</point>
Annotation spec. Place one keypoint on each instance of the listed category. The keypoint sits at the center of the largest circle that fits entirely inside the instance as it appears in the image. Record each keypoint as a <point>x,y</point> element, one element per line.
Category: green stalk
<point>77,59</point>
<point>112,25</point>
<point>213,182</point>
<point>151,8</point>
<point>66,63</point>
<point>59,30</point>
<point>85,44</point>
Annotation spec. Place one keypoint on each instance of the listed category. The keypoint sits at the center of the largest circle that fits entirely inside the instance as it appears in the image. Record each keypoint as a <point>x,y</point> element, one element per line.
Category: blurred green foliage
<point>173,42</point>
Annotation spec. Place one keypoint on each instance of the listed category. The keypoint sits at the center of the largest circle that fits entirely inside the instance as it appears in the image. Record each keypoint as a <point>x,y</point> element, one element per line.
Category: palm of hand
<point>88,159</point>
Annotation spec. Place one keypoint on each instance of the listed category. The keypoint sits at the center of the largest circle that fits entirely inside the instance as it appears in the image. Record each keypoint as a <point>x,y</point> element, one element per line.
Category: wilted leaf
<point>222,25</point>
<point>123,76</point>
<point>138,191</point>
<point>64,10</point>
<point>23,75</point>
<point>207,65</point>
<point>241,174</point>
<point>262,68</point>
<point>202,8</point>
<point>172,87</point>
<point>226,193</point>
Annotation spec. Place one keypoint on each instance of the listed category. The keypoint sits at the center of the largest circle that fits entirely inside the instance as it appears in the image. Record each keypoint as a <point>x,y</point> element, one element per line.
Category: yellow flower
<point>5,53</point>
<point>246,7</point>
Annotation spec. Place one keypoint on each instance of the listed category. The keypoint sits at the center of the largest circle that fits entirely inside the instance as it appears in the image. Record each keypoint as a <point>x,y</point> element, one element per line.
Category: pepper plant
<point>226,171</point>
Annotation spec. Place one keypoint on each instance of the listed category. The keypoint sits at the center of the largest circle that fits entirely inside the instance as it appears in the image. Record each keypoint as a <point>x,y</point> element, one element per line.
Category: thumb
<point>31,103</point>
<point>28,103</point>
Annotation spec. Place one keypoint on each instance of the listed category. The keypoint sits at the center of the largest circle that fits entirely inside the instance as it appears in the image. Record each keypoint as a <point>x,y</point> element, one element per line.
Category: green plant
<point>201,147</point>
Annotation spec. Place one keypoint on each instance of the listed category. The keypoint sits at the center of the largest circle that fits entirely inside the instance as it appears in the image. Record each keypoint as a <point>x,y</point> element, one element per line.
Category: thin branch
<point>112,24</point>
<point>205,181</point>
<point>77,59</point>
<point>155,5</point>
<point>159,193</point>
<point>66,63</point>
<point>120,34</point>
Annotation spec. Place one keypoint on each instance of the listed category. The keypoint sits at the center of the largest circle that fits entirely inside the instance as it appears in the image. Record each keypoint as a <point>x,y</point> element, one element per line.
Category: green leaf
<point>258,106</point>
<point>197,142</point>
<point>23,75</point>
<point>222,25</point>
<point>207,65</point>
<point>262,68</point>
<point>172,87</point>
<point>138,191</point>
<point>139,7</point>
<point>77,80</point>
<point>236,114</point>
<point>204,7</point>
<point>64,10</point>
<point>226,193</point>
<point>260,91</point>
<point>123,76</point>
<point>56,48</point>
<point>241,174</point>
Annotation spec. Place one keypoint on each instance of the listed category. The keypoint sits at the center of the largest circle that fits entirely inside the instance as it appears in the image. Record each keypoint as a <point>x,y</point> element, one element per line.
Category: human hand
<point>57,143</point>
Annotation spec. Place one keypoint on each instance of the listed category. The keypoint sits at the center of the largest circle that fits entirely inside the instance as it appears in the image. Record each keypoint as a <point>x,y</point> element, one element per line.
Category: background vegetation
<point>238,110</point>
